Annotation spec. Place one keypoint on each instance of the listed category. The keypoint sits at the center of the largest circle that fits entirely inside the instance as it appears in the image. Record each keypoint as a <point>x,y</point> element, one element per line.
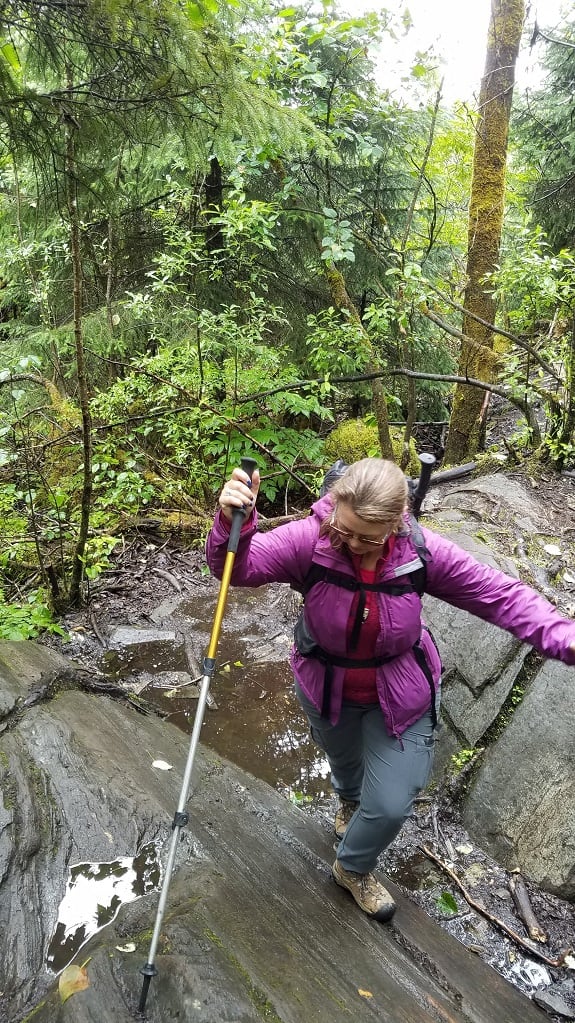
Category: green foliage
<point>182,405</point>
<point>27,620</point>
<point>224,165</point>
<point>337,241</point>
<point>544,127</point>
<point>96,558</point>
<point>537,289</point>
<point>336,345</point>
<point>17,546</point>
<point>461,758</point>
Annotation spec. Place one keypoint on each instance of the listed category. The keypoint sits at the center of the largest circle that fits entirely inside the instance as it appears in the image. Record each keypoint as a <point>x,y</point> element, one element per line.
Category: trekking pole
<point>427,462</point>
<point>181,817</point>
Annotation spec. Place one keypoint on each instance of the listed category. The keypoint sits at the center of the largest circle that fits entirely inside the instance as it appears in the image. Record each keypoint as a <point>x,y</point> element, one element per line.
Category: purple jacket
<point>286,553</point>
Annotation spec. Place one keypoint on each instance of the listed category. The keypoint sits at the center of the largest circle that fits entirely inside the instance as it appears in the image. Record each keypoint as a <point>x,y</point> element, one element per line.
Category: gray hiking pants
<point>368,766</point>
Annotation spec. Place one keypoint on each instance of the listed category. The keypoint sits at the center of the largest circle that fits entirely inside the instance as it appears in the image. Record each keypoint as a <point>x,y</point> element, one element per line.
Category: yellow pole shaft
<point>221,605</point>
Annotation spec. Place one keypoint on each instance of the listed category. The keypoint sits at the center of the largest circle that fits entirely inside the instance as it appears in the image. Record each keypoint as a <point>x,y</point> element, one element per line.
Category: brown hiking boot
<point>368,892</point>
<point>343,815</point>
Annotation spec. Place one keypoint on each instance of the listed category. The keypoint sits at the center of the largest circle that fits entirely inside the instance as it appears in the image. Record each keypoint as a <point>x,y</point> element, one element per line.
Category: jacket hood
<point>322,507</point>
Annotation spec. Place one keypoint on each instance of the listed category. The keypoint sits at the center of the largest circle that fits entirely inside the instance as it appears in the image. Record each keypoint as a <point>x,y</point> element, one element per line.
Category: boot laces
<point>370,886</point>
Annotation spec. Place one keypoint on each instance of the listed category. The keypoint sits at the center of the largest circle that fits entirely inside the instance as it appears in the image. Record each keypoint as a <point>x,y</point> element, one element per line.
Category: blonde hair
<point>374,489</point>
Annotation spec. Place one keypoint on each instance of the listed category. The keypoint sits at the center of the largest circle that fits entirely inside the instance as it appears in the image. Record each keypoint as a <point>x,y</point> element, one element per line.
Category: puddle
<point>94,895</point>
<point>258,724</point>
<point>416,872</point>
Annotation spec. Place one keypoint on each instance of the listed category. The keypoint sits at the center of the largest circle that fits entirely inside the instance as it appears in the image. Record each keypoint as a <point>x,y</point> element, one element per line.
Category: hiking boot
<point>343,815</point>
<point>368,892</point>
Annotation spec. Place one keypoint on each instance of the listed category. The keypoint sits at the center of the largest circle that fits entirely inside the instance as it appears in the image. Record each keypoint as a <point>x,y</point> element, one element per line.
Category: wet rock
<point>253,919</point>
<point>552,1000</point>
<point>144,649</point>
<point>21,664</point>
<point>481,664</point>
<point>166,609</point>
<point>521,806</point>
<point>496,499</point>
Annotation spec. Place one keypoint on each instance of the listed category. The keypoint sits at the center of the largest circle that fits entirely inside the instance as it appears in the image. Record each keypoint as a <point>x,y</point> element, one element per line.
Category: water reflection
<point>94,894</point>
<point>258,724</point>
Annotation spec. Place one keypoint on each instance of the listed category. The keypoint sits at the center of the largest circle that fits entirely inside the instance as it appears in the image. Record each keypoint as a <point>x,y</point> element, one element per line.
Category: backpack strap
<point>407,582</point>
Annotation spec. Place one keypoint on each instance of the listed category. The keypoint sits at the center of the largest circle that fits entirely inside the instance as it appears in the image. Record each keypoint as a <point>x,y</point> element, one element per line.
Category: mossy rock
<point>354,439</point>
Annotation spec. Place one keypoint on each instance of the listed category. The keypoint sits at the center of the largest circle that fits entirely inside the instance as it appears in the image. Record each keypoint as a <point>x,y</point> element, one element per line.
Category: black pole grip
<point>427,462</point>
<point>248,465</point>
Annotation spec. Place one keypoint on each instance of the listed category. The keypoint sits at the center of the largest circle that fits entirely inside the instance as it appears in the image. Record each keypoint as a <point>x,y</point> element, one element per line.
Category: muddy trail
<point>253,719</point>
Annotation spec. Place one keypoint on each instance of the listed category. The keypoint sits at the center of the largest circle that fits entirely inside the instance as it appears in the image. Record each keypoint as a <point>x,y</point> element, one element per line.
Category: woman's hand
<point>237,493</point>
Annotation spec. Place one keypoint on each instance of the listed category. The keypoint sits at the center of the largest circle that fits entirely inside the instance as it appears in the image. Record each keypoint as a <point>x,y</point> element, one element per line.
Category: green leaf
<point>418,70</point>
<point>447,904</point>
<point>195,16</point>
<point>11,56</point>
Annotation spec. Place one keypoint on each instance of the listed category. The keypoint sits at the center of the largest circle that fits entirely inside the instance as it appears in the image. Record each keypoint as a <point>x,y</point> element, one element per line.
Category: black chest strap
<point>411,582</point>
<point>307,647</point>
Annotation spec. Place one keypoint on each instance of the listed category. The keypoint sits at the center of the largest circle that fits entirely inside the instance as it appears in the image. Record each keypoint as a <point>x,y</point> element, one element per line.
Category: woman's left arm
<point>458,578</point>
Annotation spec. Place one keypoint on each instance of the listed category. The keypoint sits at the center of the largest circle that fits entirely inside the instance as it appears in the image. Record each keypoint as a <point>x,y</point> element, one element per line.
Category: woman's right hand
<point>236,493</point>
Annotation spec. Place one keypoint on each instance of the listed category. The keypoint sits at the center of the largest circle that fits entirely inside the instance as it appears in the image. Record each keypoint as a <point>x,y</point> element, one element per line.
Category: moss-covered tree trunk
<point>466,428</point>
<point>341,300</point>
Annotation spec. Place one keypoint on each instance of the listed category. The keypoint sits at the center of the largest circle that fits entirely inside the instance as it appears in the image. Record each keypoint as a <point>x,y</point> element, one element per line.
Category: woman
<point>367,672</point>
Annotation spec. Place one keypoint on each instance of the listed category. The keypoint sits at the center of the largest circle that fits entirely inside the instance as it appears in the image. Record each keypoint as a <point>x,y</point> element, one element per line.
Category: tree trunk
<point>214,193</point>
<point>83,389</point>
<point>466,428</point>
<point>341,300</point>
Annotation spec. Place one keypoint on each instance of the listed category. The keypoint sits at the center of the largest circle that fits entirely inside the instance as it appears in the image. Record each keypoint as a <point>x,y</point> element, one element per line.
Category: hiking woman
<point>367,672</point>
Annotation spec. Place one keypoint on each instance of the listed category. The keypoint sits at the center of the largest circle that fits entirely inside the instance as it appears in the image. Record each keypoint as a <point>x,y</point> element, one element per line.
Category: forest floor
<point>433,860</point>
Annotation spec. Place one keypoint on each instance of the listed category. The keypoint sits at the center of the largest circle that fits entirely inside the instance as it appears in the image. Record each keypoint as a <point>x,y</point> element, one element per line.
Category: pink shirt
<point>359,684</point>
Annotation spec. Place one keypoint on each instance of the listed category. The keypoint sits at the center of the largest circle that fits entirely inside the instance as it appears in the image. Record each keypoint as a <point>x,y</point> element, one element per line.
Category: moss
<point>45,807</point>
<point>531,666</point>
<point>354,439</point>
<point>257,997</point>
<point>35,1010</point>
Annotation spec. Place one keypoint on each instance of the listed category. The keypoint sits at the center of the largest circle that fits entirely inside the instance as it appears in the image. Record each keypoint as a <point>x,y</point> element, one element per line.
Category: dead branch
<point>524,908</point>
<point>479,908</point>
<point>96,630</point>
<point>518,341</point>
<point>171,579</point>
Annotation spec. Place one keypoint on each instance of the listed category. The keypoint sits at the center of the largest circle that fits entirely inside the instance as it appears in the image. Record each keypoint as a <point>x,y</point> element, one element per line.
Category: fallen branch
<point>560,961</point>
<point>171,579</point>
<point>96,630</point>
<point>525,909</point>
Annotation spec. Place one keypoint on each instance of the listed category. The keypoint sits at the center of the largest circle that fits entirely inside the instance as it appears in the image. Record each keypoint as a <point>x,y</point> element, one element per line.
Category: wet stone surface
<point>255,722</point>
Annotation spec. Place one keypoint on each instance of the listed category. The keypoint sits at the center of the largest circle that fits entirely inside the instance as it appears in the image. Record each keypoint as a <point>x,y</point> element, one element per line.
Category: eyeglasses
<point>346,534</point>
